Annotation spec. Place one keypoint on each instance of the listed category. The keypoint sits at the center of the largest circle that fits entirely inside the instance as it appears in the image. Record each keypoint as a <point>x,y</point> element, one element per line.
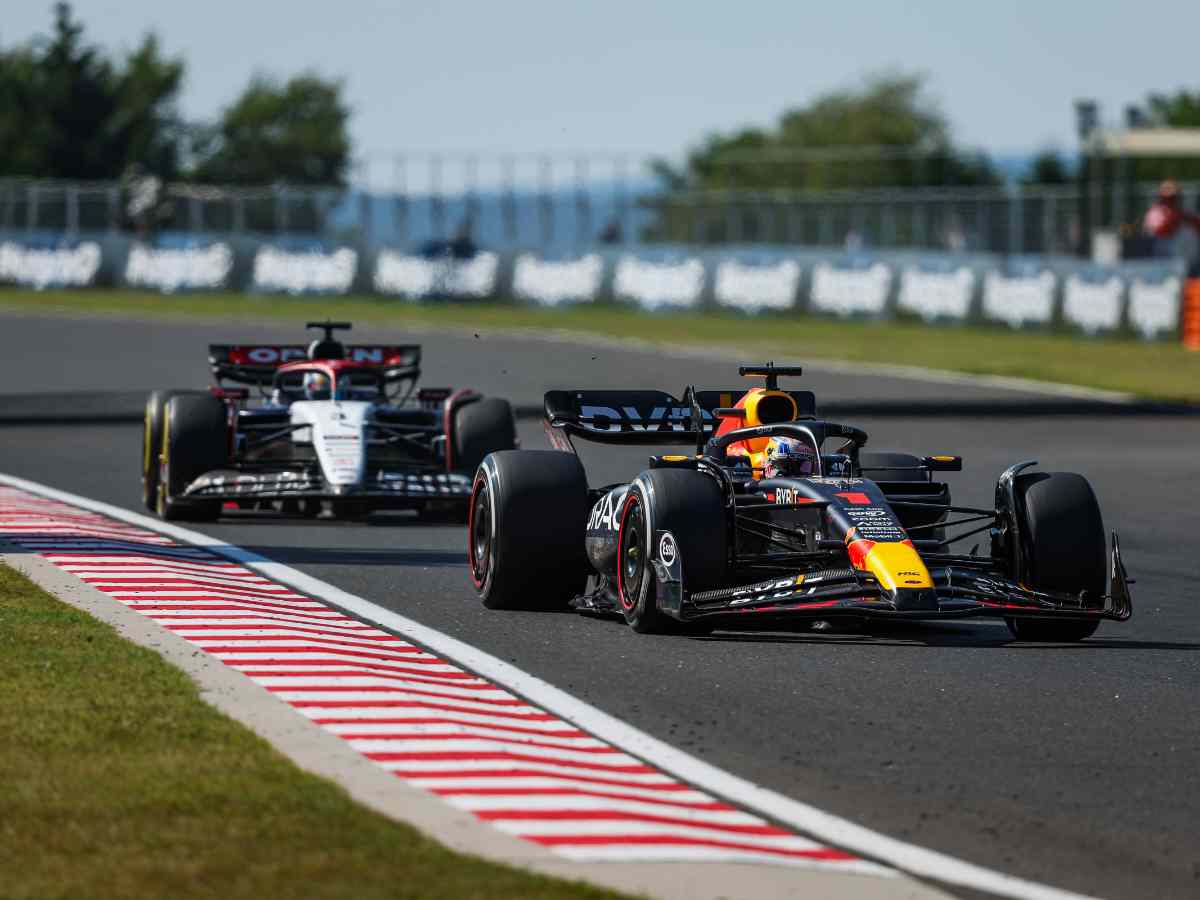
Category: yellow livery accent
<point>897,566</point>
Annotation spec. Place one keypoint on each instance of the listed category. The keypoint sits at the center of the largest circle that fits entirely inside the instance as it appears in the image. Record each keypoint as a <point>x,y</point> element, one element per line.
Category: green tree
<point>292,133</point>
<point>1178,110</point>
<point>69,111</point>
<point>886,133</point>
<point>1049,168</point>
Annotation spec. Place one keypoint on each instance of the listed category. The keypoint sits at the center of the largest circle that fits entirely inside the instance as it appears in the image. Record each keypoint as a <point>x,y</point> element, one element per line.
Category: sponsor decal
<point>659,285</point>
<point>47,267</point>
<point>667,551</point>
<point>848,291</point>
<point>1154,306</point>
<point>170,270</point>
<point>606,513</point>
<point>418,278</point>
<point>768,590</point>
<point>629,418</point>
<point>936,295</point>
<point>302,272</point>
<point>1019,299</point>
<point>839,482</point>
<point>1093,305</point>
<point>873,524</point>
<point>789,495</point>
<point>552,282</point>
<point>759,287</point>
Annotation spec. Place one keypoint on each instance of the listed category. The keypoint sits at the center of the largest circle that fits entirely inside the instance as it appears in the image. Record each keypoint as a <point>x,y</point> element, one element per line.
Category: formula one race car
<point>336,425</point>
<point>766,526</point>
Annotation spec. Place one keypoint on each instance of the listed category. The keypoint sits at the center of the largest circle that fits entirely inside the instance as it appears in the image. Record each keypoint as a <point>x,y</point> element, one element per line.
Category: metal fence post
<point>1016,219</point>
<point>72,204</point>
<point>400,187</point>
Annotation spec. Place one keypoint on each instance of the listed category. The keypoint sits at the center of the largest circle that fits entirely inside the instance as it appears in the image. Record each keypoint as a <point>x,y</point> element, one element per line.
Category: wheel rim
<point>631,558</point>
<point>480,533</point>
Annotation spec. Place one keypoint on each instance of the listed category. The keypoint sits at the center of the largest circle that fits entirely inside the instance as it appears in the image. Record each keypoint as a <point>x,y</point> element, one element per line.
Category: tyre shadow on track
<point>920,640</point>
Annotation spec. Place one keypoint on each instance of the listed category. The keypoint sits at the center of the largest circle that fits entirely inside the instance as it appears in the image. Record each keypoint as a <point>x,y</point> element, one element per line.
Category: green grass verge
<point>117,780</point>
<point>1160,370</point>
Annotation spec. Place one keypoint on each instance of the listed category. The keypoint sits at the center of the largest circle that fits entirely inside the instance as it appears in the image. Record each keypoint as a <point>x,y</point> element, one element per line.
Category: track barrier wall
<point>1144,298</point>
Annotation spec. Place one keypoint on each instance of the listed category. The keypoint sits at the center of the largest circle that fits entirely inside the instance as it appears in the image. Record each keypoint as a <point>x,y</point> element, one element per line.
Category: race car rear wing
<point>256,363</point>
<point>644,417</point>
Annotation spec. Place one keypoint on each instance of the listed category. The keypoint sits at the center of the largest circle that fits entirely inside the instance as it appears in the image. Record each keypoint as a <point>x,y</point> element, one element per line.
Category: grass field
<point>117,780</point>
<point>1161,371</point>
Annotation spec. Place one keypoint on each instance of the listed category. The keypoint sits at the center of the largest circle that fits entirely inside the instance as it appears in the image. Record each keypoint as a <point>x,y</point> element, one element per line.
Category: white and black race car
<point>336,426</point>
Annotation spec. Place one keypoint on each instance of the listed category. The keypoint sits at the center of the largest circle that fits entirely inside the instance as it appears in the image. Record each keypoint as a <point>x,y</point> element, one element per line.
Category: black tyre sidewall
<point>152,431</point>
<point>1068,552</point>
<point>195,441</point>
<point>688,504</point>
<point>482,427</point>
<point>537,501</point>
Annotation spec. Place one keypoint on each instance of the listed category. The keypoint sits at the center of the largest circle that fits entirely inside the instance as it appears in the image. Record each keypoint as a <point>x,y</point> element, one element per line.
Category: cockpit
<point>320,383</point>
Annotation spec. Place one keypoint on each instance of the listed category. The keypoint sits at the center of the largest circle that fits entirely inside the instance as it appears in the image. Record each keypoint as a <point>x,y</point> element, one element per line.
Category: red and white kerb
<point>435,725</point>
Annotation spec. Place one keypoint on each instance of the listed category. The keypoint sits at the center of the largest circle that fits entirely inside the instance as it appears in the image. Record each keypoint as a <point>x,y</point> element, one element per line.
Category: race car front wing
<point>959,591</point>
<point>297,484</point>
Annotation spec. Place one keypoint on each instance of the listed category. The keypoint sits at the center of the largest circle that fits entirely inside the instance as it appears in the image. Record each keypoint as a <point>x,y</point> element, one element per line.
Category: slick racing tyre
<point>1061,519</point>
<point>482,427</point>
<point>525,529</point>
<point>195,440</point>
<point>152,432</point>
<point>688,504</point>
<point>152,429</point>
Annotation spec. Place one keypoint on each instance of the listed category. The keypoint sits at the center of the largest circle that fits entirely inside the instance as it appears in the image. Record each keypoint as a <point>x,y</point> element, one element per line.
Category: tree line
<point>71,110</point>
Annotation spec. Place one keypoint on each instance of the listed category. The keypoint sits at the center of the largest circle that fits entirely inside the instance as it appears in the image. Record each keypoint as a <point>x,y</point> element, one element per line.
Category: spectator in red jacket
<point>1167,221</point>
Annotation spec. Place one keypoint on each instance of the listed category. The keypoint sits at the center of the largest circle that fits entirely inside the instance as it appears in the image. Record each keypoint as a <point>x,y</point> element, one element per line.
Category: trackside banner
<point>1141,298</point>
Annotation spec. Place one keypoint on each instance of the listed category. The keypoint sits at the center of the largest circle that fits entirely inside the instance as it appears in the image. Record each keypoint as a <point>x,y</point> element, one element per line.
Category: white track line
<point>821,825</point>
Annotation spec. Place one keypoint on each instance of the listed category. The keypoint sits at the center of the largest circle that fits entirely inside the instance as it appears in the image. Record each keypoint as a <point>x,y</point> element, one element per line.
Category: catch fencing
<point>555,207</point>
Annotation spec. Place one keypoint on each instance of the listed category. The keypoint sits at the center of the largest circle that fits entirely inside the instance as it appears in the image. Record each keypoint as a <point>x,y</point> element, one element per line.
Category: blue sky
<point>652,77</point>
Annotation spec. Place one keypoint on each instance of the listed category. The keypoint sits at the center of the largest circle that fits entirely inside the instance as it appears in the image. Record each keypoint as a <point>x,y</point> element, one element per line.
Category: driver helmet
<point>316,385</point>
<point>789,457</point>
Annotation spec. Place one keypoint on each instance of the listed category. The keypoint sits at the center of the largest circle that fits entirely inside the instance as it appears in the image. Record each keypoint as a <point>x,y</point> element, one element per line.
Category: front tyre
<point>152,432</point>
<point>688,504</point>
<point>1061,520</point>
<point>195,440</point>
<point>525,529</point>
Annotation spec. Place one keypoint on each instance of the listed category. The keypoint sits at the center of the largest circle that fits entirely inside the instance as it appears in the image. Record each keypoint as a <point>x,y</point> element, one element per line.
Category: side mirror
<point>942,463</point>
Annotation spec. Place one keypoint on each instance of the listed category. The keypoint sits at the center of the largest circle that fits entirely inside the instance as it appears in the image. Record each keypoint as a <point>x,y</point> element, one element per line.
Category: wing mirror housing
<point>942,463</point>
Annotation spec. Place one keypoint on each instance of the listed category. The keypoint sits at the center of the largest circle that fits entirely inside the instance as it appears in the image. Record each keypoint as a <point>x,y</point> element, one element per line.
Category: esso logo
<point>667,550</point>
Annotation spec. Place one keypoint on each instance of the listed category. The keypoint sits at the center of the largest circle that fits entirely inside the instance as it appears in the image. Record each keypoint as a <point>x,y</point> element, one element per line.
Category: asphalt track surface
<point>1075,765</point>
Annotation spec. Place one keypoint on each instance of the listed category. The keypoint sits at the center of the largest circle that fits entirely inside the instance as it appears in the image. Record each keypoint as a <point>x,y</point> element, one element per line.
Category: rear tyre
<point>688,504</point>
<point>1061,520</point>
<point>195,440</point>
<point>525,529</point>
<point>482,427</point>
